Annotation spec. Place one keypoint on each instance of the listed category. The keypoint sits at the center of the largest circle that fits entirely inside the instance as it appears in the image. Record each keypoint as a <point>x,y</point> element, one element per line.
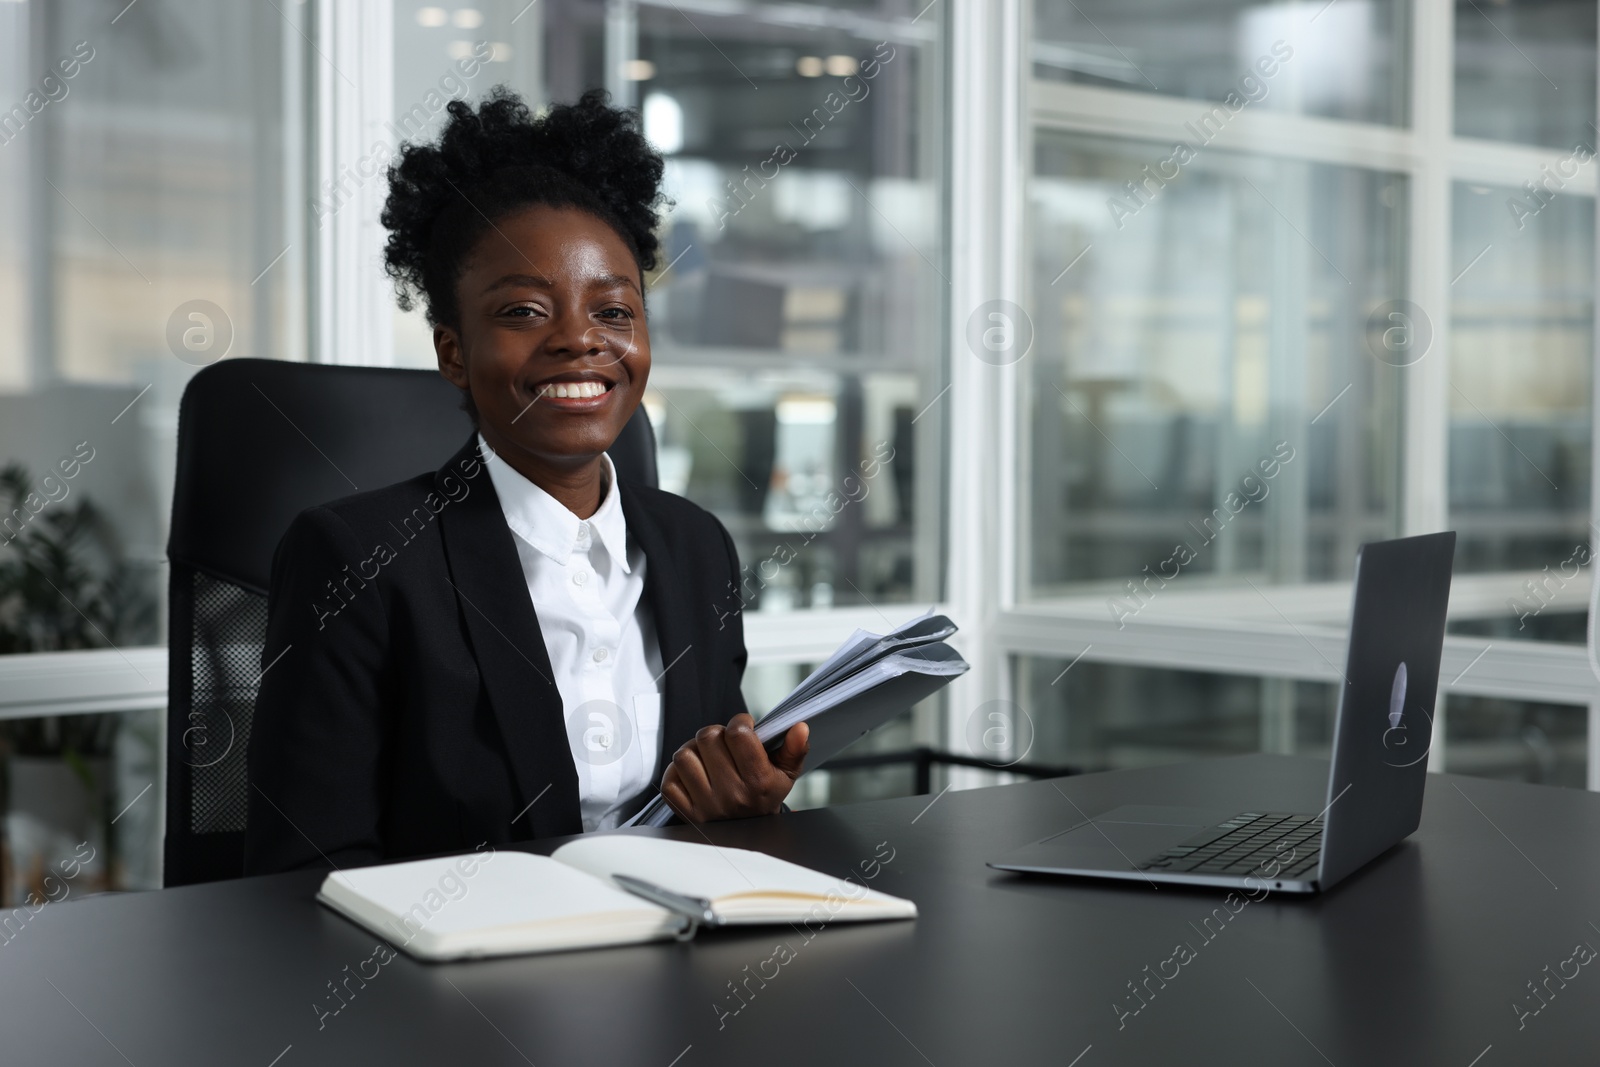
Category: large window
<point>1188,334</point>
<point>797,323</point>
<point>1298,277</point>
<point>150,208</point>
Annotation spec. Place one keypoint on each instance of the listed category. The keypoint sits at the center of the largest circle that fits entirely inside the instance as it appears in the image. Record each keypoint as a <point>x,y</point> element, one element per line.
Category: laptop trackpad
<point>1118,840</point>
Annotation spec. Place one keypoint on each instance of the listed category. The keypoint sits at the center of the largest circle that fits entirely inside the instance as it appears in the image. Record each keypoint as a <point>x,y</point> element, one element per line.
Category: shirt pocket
<point>647,720</point>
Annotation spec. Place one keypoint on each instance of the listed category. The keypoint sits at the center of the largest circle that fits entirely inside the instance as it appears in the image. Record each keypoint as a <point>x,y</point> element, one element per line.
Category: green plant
<point>64,584</point>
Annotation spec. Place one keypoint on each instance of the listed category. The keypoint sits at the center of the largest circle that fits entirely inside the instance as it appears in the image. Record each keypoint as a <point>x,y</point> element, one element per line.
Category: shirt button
<point>580,577</point>
<point>600,655</point>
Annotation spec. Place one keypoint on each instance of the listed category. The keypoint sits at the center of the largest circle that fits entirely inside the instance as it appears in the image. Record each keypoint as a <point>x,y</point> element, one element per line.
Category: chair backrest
<point>259,441</point>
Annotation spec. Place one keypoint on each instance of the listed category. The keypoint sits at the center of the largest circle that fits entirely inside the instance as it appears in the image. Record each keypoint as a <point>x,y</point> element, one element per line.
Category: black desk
<point>1416,960</point>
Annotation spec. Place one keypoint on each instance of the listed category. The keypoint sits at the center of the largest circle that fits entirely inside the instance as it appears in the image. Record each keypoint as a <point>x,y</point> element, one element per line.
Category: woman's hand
<point>723,772</point>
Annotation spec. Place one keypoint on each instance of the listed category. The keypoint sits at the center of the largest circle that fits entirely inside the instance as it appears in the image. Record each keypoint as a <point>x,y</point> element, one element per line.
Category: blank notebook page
<point>709,871</point>
<point>510,890</point>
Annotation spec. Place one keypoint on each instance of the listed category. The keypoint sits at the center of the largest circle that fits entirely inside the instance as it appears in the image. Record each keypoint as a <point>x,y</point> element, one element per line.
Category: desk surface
<point>1418,959</point>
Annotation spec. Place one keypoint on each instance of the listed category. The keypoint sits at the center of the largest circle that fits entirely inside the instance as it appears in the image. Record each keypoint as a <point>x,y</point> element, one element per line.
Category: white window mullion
<point>1536,671</point>
<point>1426,427</point>
<point>351,66</point>
<point>1127,115</point>
<point>986,182</point>
<point>1499,163</point>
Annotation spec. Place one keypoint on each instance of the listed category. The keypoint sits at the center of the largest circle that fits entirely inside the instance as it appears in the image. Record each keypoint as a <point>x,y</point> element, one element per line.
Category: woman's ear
<point>452,361</point>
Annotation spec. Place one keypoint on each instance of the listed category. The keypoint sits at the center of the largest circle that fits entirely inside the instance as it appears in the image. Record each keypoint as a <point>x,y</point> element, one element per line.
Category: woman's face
<point>552,342</point>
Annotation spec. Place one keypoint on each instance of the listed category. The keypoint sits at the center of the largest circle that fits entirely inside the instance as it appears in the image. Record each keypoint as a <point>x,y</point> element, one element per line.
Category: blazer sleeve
<point>737,657</point>
<point>317,739</point>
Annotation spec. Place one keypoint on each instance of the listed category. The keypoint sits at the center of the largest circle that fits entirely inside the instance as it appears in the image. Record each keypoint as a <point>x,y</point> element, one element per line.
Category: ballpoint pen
<point>695,911</point>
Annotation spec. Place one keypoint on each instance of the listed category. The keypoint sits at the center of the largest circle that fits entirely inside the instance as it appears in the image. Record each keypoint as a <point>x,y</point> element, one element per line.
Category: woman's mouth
<point>584,394</point>
<point>573,390</point>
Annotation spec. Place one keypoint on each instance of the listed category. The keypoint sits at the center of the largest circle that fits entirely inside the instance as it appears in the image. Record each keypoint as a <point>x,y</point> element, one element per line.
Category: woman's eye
<point>616,314</point>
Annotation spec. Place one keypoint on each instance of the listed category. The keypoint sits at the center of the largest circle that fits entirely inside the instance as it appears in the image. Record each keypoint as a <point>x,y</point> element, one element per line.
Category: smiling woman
<point>552,363</point>
<point>557,633</point>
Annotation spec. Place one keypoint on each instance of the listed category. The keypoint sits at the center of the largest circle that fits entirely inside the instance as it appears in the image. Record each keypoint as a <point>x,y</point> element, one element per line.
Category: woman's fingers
<point>792,756</point>
<point>730,793</point>
<point>673,793</point>
<point>749,755</point>
<point>694,779</point>
<point>725,772</point>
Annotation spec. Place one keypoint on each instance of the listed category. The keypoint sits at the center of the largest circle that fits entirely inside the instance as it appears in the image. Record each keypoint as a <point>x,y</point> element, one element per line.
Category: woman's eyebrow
<point>535,281</point>
<point>512,281</point>
<point>617,279</point>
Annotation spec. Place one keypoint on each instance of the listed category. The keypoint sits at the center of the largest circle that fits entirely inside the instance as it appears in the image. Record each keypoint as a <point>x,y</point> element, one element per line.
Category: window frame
<point>1305,643</point>
<point>993,105</point>
<point>349,73</point>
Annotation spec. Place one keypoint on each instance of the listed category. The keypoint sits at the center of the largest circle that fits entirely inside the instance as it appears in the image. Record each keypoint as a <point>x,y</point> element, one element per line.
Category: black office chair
<point>259,441</point>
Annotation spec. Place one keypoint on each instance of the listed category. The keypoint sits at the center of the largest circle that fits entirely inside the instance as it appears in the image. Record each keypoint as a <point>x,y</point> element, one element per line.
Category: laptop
<point>1381,740</point>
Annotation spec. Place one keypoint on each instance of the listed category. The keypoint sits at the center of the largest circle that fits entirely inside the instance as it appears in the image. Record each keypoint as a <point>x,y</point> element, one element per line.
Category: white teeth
<point>574,390</point>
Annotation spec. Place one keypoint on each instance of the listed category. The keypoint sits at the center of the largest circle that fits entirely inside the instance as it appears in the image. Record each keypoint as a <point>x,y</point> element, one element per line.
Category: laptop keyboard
<point>1244,844</point>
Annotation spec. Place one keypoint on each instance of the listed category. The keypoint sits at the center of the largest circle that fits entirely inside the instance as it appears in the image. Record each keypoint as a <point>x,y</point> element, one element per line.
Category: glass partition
<point>1206,403</point>
<point>1097,716</point>
<point>1522,347</point>
<point>1343,60</point>
<point>1524,71</point>
<point>151,193</point>
<point>796,321</point>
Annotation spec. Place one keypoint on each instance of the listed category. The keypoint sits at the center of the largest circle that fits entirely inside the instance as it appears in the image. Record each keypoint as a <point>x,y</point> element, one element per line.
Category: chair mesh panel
<point>230,626</point>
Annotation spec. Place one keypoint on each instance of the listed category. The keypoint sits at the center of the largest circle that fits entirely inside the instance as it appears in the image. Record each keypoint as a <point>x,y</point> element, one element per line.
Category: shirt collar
<point>545,523</point>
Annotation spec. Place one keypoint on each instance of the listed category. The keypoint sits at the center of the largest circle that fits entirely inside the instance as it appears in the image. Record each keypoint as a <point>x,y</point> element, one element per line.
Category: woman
<point>506,647</point>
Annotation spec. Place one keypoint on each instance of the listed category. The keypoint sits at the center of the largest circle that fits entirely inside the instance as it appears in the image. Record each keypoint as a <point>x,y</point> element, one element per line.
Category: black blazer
<point>408,705</point>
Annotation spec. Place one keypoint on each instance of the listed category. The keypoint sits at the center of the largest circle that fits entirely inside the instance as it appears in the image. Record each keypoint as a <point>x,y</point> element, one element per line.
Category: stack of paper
<point>869,680</point>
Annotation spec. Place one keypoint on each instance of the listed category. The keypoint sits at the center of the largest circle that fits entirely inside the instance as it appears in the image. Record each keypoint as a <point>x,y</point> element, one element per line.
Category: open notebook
<point>504,903</point>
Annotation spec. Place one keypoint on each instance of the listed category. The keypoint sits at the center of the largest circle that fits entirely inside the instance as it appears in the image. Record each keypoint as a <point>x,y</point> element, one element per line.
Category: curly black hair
<point>500,159</point>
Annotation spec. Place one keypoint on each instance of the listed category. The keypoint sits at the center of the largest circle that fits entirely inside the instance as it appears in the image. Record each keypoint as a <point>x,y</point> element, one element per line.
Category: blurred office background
<point>1371,275</point>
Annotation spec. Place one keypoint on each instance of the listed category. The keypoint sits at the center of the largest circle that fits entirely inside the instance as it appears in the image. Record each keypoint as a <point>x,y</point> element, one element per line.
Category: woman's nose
<point>573,334</point>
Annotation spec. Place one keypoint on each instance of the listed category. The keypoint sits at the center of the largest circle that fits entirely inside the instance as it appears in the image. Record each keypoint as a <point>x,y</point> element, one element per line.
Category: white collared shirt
<point>586,579</point>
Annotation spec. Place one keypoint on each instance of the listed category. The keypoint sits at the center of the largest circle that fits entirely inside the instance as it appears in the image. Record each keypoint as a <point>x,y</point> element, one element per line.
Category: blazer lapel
<point>512,660</point>
<point>681,712</point>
